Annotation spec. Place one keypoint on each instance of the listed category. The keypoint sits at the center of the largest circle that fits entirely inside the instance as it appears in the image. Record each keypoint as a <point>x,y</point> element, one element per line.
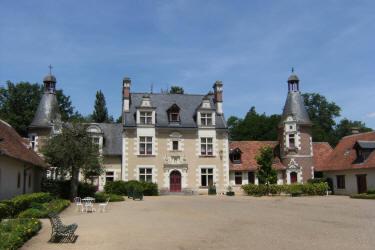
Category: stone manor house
<point>180,141</point>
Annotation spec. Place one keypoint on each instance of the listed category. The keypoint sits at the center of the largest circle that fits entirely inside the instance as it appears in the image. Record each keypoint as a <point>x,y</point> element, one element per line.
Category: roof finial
<point>292,69</point>
<point>50,69</point>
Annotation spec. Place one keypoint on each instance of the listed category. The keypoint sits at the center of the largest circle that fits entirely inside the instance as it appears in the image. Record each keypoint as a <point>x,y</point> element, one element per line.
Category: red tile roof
<point>14,146</point>
<point>344,154</point>
<point>321,152</point>
<point>249,151</point>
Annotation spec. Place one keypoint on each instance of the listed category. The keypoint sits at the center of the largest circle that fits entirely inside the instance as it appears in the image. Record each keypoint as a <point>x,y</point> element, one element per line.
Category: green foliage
<point>23,202</point>
<point>345,127</point>
<point>253,127</point>
<point>42,210</point>
<point>266,174</point>
<point>212,190</point>
<point>72,152</point>
<point>19,102</point>
<point>61,188</point>
<point>294,189</point>
<point>100,113</point>
<point>363,196</point>
<point>102,197</point>
<point>14,233</point>
<point>371,191</point>
<point>176,90</point>
<point>122,187</point>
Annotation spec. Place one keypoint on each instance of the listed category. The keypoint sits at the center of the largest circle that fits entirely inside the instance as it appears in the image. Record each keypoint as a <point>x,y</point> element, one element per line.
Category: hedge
<point>102,197</point>
<point>319,188</point>
<point>11,208</point>
<point>363,196</point>
<point>15,232</point>
<point>39,210</point>
<point>121,187</point>
<point>61,188</point>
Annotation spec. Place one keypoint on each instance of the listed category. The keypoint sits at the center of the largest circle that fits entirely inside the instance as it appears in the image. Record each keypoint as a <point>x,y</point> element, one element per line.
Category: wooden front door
<point>361,183</point>
<point>293,177</point>
<point>175,181</point>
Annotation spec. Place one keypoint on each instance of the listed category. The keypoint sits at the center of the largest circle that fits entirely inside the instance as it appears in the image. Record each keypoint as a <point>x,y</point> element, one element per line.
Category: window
<point>109,176</point>
<point>33,141</point>
<point>30,180</point>
<point>145,117</point>
<point>19,180</point>
<point>175,145</point>
<point>206,119</point>
<point>145,174</point>
<point>251,177</point>
<point>145,145</point>
<point>238,178</point>
<point>207,177</point>
<point>291,141</point>
<point>340,179</point>
<point>206,146</point>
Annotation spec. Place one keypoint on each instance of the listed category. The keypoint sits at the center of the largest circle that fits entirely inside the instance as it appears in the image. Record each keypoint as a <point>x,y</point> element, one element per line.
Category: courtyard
<point>220,222</point>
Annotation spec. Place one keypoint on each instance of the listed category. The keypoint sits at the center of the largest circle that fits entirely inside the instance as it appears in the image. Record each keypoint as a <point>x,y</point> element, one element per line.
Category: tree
<point>100,113</point>
<point>322,114</point>
<point>266,174</point>
<point>73,151</point>
<point>254,126</point>
<point>346,126</point>
<point>19,102</point>
<point>176,90</point>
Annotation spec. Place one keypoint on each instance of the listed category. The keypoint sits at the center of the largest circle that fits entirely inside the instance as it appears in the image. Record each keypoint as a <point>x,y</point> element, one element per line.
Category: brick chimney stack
<point>126,83</point>
<point>218,97</point>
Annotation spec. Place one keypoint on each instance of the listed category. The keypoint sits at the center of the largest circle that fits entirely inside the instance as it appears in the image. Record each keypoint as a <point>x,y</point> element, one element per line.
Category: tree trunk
<point>74,183</point>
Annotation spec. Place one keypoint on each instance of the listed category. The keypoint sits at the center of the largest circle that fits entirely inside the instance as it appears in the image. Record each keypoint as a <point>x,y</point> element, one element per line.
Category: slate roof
<point>187,103</point>
<point>250,150</point>
<point>112,134</point>
<point>294,105</point>
<point>366,144</point>
<point>344,154</point>
<point>14,146</point>
<point>47,113</point>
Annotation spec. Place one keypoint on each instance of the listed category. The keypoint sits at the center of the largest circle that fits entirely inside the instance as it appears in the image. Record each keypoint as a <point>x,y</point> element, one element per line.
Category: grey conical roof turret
<point>48,113</point>
<point>294,104</point>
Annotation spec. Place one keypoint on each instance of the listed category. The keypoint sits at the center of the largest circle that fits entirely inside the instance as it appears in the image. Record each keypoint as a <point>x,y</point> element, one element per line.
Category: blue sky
<point>249,45</point>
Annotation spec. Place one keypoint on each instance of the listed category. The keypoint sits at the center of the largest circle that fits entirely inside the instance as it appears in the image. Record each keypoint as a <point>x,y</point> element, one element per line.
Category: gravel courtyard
<point>206,222</point>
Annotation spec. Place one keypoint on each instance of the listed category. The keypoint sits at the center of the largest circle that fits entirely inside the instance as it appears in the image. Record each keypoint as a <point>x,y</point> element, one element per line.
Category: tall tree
<point>100,113</point>
<point>266,174</point>
<point>176,90</point>
<point>322,114</point>
<point>73,151</point>
<point>19,102</point>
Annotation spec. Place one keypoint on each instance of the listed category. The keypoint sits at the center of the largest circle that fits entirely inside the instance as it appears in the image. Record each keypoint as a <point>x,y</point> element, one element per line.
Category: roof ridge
<point>142,93</point>
<point>254,141</point>
<point>353,135</point>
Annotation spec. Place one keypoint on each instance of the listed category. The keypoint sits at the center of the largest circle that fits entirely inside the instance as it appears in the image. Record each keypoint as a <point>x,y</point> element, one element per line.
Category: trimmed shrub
<point>116,187</point>
<point>363,196</point>
<point>293,189</point>
<point>61,188</point>
<point>122,187</point>
<point>150,189</point>
<point>102,197</point>
<point>23,202</point>
<point>42,210</point>
<point>371,191</point>
<point>14,233</point>
<point>5,210</point>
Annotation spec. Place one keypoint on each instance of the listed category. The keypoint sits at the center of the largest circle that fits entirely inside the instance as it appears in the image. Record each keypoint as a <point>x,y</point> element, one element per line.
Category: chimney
<point>218,97</point>
<point>354,130</point>
<point>126,83</point>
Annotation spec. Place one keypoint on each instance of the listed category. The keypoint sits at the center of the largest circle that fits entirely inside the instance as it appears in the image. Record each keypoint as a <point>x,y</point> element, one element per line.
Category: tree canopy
<point>19,102</point>
<point>266,174</point>
<point>100,113</point>
<point>71,152</point>
<point>176,90</point>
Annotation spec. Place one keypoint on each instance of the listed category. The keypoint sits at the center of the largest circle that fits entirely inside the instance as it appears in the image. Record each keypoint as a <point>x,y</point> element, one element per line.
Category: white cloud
<point>371,115</point>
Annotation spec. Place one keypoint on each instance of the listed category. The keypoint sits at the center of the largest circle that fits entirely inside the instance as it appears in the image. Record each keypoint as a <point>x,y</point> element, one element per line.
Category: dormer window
<point>145,117</point>
<point>235,156</point>
<point>363,149</point>
<point>174,114</point>
<point>206,119</point>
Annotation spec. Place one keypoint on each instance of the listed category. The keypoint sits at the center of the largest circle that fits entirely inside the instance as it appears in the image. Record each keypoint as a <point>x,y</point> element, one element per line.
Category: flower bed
<point>15,232</point>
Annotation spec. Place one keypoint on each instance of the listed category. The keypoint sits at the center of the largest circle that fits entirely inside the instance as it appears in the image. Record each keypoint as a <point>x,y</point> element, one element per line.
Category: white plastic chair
<point>103,206</point>
<point>78,203</point>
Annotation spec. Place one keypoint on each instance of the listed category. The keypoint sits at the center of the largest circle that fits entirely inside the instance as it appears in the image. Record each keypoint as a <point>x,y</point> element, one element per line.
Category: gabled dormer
<point>235,156</point>
<point>174,114</point>
<point>206,113</point>
<point>363,150</point>
<point>145,115</point>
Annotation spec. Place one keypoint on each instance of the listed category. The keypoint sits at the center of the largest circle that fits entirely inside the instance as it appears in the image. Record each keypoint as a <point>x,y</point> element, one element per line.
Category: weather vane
<point>50,69</point>
<point>292,69</point>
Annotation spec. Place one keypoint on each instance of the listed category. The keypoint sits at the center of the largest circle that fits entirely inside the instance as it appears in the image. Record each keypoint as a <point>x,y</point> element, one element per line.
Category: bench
<point>59,229</point>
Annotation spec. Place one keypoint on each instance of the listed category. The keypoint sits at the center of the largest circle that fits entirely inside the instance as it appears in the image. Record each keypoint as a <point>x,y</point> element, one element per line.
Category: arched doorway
<point>293,177</point>
<point>175,181</point>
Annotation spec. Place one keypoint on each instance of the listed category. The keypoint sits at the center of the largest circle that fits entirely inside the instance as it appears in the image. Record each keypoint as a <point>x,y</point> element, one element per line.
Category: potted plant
<point>230,191</point>
<point>212,189</point>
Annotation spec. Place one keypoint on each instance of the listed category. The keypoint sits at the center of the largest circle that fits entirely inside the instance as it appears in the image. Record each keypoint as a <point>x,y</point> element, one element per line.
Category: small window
<point>145,145</point>
<point>18,180</point>
<point>291,127</point>
<point>340,179</point>
<point>174,117</point>
<point>145,117</point>
<point>207,177</point>
<point>238,178</point>
<point>109,176</point>
<point>291,141</point>
<point>251,177</point>
<point>33,141</point>
<point>175,145</point>
<point>206,146</point>
<point>145,174</point>
<point>206,119</point>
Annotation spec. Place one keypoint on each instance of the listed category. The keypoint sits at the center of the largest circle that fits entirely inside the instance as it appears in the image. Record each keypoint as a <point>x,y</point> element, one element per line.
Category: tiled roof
<point>112,133</point>
<point>14,146</point>
<point>344,154</point>
<point>249,150</point>
<point>162,102</point>
<point>321,151</point>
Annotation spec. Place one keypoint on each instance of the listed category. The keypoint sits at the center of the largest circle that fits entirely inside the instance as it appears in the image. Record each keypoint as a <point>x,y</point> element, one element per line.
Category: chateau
<point>180,142</point>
